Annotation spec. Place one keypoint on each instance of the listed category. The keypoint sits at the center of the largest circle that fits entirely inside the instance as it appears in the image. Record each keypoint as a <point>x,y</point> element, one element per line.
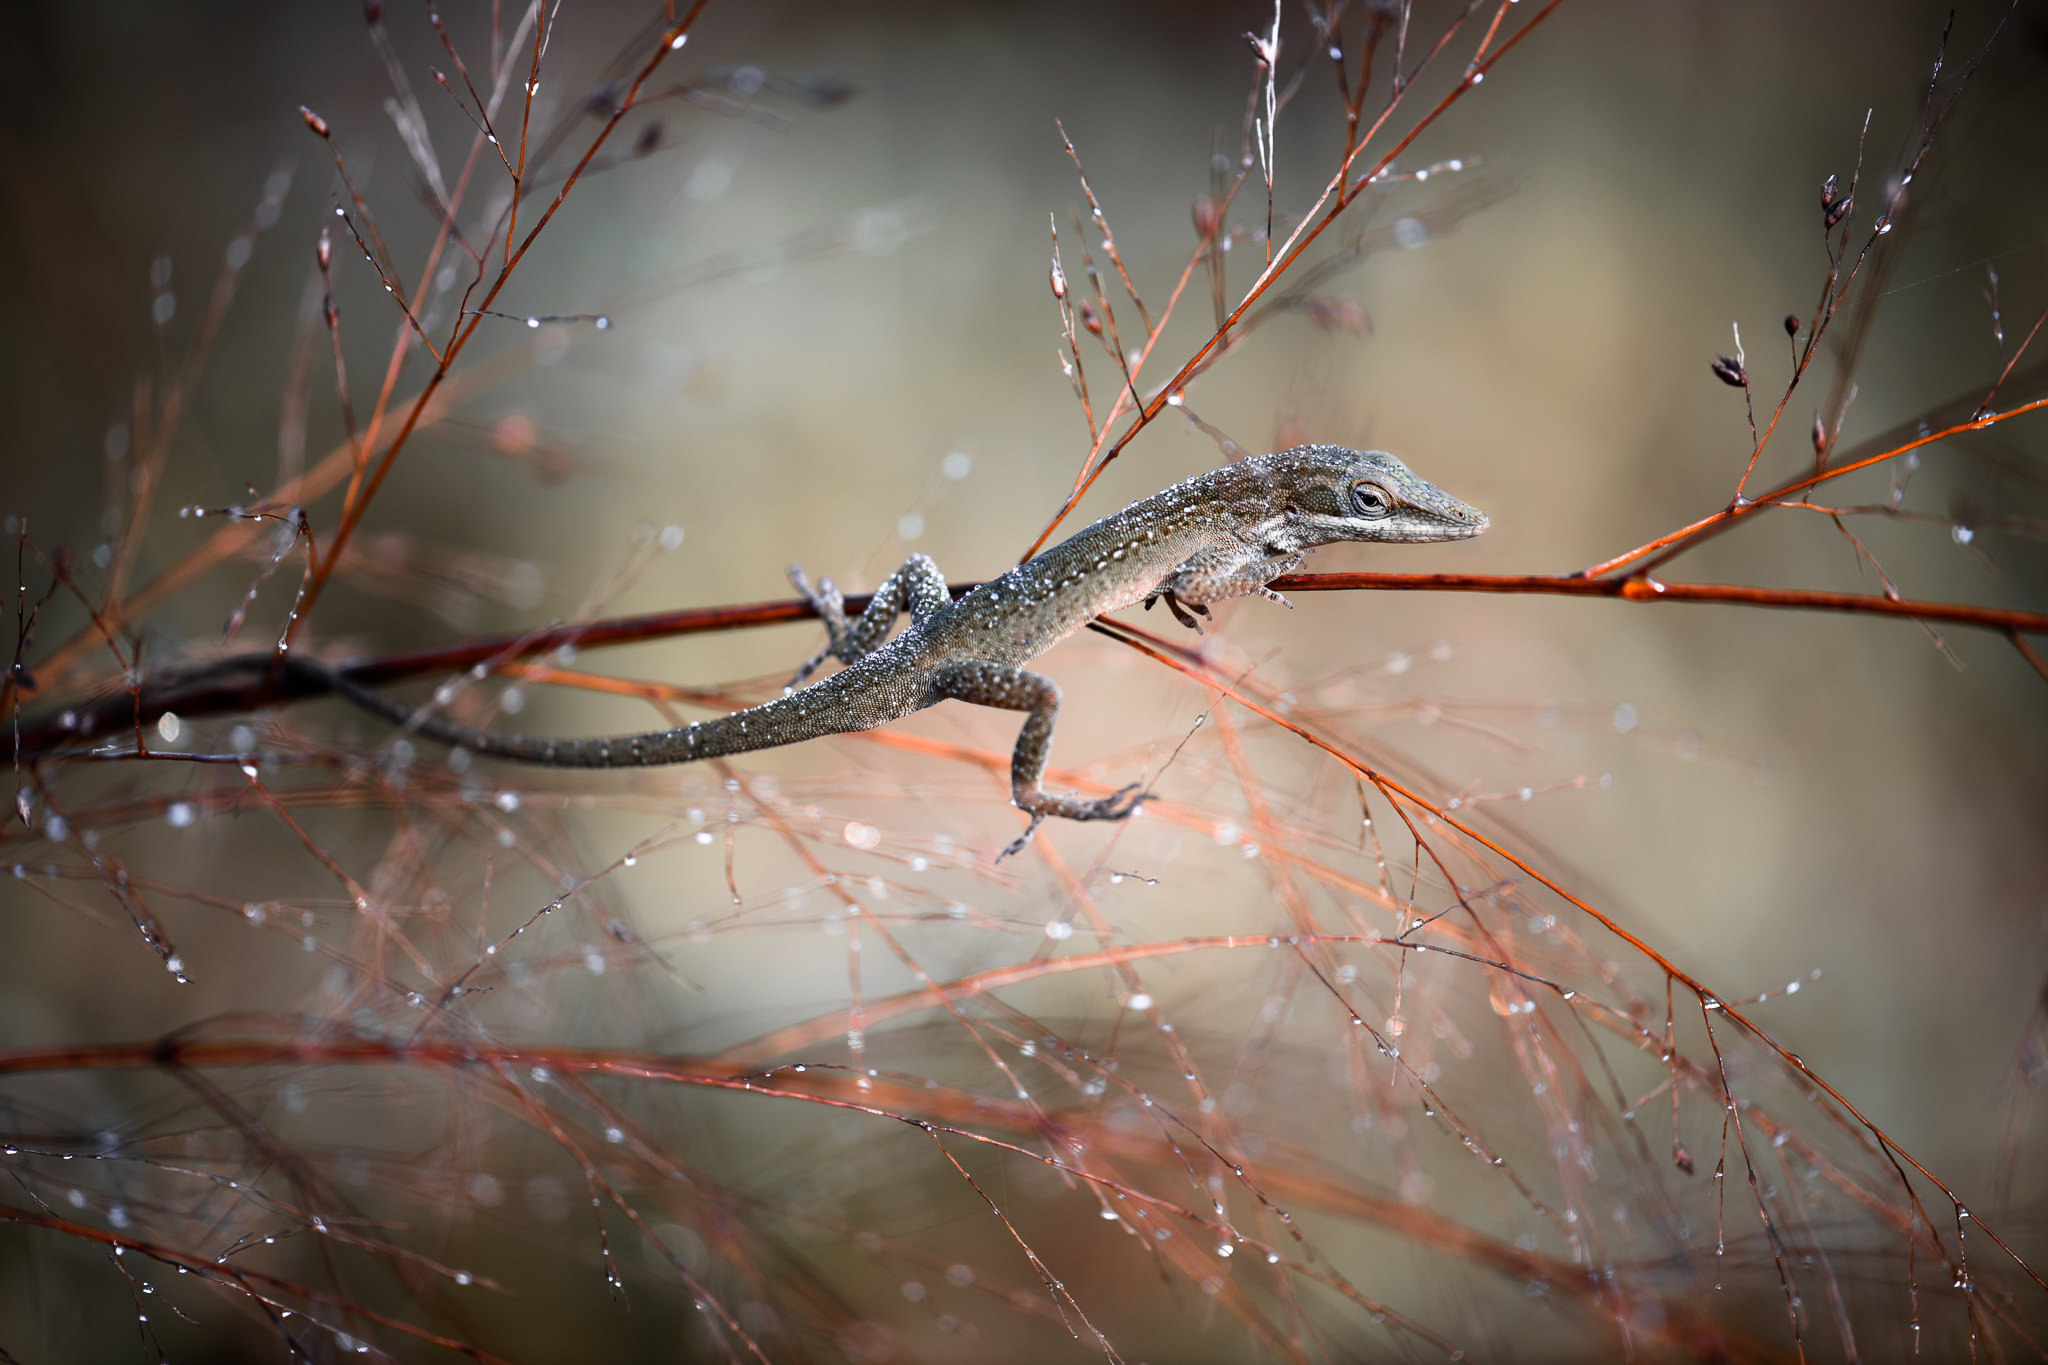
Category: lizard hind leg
<point>917,587</point>
<point>831,608</point>
<point>1014,689</point>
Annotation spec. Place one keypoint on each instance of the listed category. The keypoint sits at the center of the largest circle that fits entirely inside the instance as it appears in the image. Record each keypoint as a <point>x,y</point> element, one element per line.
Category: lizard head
<point>1337,494</point>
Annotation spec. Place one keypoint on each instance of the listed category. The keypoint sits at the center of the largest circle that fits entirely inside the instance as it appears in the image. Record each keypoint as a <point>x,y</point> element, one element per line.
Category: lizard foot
<point>1118,805</point>
<point>817,597</point>
<point>1180,609</point>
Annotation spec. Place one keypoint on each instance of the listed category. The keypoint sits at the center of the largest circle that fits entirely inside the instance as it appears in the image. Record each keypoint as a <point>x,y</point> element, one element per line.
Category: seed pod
<point>1827,194</point>
<point>1792,324</point>
<point>1089,319</point>
<point>313,121</point>
<point>1681,1158</point>
<point>1820,435</point>
<point>324,253</point>
<point>1841,209</point>
<point>1205,217</point>
<point>1059,280</point>
<point>1730,372</point>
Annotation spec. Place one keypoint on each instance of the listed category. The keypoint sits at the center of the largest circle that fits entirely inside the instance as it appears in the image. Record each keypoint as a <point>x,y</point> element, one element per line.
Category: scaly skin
<point>1224,534</point>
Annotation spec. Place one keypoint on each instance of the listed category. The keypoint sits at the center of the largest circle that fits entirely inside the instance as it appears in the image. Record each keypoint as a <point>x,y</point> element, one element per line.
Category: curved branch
<point>249,682</point>
<point>1642,588</point>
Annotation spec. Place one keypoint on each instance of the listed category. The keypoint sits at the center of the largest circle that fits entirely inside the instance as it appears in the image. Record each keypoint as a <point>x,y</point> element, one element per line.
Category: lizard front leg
<point>917,587</point>
<point>1217,575</point>
<point>1015,689</point>
<point>1179,609</point>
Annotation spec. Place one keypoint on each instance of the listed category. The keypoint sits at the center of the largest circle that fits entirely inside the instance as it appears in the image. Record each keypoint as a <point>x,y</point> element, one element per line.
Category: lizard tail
<point>843,703</point>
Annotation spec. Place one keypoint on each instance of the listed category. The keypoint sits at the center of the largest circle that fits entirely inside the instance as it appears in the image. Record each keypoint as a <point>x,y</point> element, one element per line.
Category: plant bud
<point>1729,372</point>
<point>324,253</point>
<point>1820,435</point>
<point>1841,209</point>
<point>1792,325</point>
<point>1089,319</point>
<point>1059,280</point>
<point>313,121</point>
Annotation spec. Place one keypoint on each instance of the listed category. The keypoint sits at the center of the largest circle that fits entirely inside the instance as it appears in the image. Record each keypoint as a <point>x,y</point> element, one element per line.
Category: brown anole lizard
<point>1224,534</point>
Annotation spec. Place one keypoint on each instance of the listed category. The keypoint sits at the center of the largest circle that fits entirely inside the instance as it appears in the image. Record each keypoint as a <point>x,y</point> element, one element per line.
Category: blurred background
<point>831,341</point>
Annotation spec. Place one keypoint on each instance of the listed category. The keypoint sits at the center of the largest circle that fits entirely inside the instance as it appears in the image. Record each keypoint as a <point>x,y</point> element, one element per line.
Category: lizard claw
<point>1115,806</point>
<point>1018,844</point>
<point>1272,596</point>
<point>823,599</point>
<point>1180,609</point>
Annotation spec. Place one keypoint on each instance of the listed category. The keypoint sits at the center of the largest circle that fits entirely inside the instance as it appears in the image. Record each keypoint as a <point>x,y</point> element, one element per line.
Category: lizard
<point>1224,534</point>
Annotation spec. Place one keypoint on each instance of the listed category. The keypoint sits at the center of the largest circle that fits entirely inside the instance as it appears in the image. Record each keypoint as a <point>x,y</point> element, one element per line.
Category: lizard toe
<point>1022,841</point>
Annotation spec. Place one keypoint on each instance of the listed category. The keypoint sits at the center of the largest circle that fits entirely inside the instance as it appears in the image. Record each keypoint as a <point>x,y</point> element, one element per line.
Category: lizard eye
<point>1370,502</point>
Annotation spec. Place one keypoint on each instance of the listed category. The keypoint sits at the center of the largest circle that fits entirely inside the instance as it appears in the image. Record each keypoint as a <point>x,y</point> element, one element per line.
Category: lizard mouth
<point>1455,523</point>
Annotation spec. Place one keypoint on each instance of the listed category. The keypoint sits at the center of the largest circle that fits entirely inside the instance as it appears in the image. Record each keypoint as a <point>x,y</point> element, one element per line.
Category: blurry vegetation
<point>1497,975</point>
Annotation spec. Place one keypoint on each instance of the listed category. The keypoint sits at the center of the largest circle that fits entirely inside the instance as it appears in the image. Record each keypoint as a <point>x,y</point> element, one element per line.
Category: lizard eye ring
<point>1371,502</point>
